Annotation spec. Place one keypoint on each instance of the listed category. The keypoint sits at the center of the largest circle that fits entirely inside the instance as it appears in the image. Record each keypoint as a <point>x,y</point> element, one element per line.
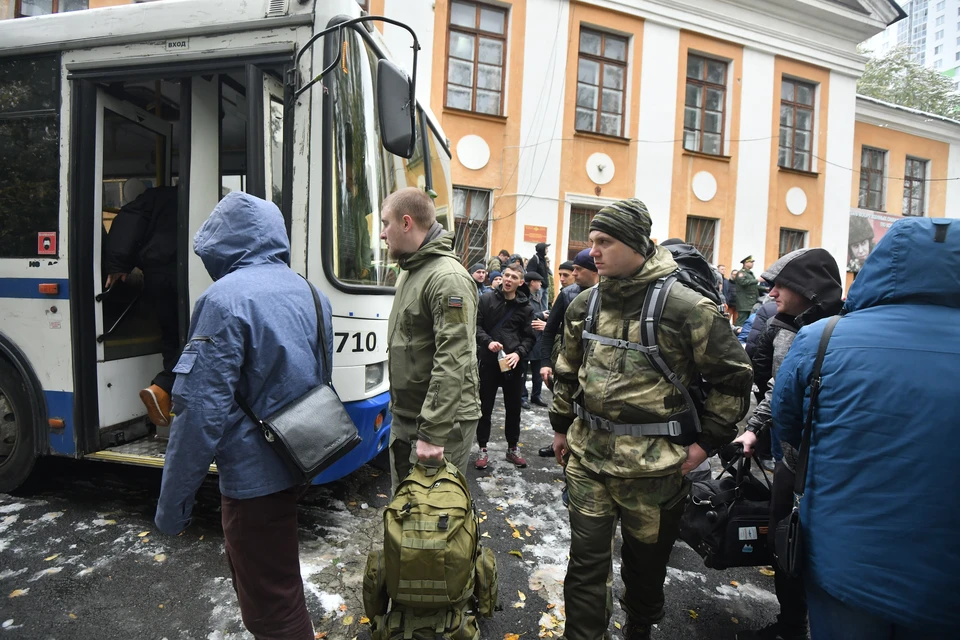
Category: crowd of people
<point>878,558</point>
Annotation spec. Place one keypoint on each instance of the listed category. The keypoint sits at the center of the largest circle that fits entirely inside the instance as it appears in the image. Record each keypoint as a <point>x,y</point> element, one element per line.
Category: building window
<point>471,215</point>
<point>938,35</point>
<point>914,187</point>
<point>872,163</point>
<point>939,21</point>
<point>702,234</point>
<point>937,64</point>
<point>579,231</point>
<point>601,83</point>
<point>941,5</point>
<point>703,106</point>
<point>476,56</point>
<point>791,240</point>
<point>937,49</point>
<point>796,124</point>
<point>29,8</point>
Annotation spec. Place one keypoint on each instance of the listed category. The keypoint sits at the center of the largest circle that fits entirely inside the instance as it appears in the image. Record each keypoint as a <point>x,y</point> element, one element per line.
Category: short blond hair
<point>412,202</point>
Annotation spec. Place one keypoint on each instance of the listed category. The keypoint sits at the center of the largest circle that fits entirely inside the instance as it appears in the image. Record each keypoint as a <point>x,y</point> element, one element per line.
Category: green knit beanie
<point>627,221</point>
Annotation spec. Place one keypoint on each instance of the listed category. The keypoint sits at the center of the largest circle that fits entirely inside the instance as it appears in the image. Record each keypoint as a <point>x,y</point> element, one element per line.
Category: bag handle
<point>800,480</point>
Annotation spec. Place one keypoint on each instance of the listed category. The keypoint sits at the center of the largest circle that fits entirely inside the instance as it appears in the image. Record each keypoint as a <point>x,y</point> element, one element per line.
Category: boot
<point>636,631</point>
<point>157,402</point>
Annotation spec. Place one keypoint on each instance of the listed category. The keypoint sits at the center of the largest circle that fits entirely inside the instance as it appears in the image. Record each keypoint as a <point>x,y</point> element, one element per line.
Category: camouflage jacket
<point>432,342</point>
<point>621,385</point>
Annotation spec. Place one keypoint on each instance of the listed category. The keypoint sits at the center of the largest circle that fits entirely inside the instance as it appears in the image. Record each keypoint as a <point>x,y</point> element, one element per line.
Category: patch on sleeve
<point>455,301</point>
<point>186,362</point>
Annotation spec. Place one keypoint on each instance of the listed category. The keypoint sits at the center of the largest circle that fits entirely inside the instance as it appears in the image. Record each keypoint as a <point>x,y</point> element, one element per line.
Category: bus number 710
<point>370,342</point>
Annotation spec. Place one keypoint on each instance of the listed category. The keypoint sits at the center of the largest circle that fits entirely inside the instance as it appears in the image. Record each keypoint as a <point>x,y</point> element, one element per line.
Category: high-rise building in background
<point>932,28</point>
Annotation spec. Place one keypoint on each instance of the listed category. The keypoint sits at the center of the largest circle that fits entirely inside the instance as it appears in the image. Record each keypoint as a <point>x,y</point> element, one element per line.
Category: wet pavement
<point>80,557</point>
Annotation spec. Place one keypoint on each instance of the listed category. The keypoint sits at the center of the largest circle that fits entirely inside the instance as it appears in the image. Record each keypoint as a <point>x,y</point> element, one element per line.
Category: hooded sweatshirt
<point>254,330</point>
<point>879,525</point>
<point>813,273</point>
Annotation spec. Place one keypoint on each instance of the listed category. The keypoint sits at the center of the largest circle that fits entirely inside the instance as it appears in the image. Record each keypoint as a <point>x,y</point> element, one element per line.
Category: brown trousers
<point>260,535</point>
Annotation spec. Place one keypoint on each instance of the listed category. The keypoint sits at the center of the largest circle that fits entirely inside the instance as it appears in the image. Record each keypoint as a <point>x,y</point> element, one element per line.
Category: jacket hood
<point>916,262</point>
<point>243,231</point>
<point>813,273</point>
<point>441,244</point>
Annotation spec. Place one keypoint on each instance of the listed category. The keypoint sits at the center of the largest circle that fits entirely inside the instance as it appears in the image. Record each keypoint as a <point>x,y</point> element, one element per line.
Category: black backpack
<point>695,273</point>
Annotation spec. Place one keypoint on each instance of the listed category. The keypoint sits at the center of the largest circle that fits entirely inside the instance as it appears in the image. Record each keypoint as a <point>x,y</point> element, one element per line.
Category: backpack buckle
<point>673,428</point>
<point>444,523</point>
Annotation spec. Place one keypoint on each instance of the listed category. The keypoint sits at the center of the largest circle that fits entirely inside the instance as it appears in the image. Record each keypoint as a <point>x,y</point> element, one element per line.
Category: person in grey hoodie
<point>806,288</point>
<point>254,332</point>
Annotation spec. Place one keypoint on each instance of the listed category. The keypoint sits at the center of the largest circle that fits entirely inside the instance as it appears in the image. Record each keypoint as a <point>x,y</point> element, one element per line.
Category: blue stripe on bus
<point>60,405</point>
<point>30,288</point>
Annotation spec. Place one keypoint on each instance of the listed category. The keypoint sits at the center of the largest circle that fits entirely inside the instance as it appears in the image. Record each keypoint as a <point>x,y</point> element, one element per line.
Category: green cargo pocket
<point>485,584</point>
<point>375,598</point>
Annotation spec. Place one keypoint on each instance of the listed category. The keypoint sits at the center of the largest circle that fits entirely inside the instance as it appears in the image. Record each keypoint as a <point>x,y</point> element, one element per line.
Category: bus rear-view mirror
<point>395,102</point>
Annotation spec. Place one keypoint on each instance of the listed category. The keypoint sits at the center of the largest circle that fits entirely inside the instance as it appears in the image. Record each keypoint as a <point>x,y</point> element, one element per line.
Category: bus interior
<point>136,134</point>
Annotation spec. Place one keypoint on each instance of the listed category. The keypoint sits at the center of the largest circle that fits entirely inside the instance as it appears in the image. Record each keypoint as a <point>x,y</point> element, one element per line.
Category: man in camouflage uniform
<point>748,290</point>
<point>432,340</point>
<point>637,479</point>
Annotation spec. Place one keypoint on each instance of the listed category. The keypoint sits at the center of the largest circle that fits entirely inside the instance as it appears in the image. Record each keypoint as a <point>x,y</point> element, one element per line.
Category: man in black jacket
<point>144,235</point>
<point>504,318</point>
<point>540,264</point>
<point>806,288</point>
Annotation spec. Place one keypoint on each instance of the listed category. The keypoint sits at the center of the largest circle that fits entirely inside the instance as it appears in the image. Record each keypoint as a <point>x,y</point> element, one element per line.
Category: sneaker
<point>525,405</point>
<point>546,452</point>
<point>636,631</point>
<point>772,632</point>
<point>157,402</point>
<point>482,460</point>
<point>539,402</point>
<point>513,455</point>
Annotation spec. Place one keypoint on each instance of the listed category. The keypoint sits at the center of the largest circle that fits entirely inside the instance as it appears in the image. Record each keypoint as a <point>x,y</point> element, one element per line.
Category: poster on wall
<point>866,229</point>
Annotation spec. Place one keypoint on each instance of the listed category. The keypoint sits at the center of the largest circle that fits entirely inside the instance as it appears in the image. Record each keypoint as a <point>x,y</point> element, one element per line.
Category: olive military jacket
<point>432,342</point>
<point>620,384</point>
<point>747,290</point>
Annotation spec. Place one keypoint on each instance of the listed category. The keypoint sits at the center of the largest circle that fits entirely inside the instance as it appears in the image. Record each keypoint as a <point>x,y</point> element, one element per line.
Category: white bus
<point>208,96</point>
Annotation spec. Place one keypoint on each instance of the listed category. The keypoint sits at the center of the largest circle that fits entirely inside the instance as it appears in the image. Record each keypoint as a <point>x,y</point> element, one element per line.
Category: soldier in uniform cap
<point>634,479</point>
<point>748,290</point>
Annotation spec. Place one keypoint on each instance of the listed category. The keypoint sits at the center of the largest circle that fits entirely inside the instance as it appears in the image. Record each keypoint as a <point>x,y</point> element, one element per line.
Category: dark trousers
<point>491,379</point>
<point>262,548</point>
<point>161,289</point>
<point>537,382</point>
<point>790,591</point>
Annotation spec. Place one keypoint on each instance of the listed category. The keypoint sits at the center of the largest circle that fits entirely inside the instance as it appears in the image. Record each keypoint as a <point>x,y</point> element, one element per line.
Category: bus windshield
<point>364,173</point>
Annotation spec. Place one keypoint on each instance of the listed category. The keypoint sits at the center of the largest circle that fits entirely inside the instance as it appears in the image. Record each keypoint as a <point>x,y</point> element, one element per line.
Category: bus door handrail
<point>123,315</point>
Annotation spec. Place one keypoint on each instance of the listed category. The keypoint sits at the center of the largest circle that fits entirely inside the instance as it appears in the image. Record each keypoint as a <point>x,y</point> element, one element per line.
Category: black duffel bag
<point>726,520</point>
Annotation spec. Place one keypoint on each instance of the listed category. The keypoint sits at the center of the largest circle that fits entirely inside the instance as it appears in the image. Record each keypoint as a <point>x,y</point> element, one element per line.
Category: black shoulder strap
<point>804,455</point>
<point>593,308</point>
<point>503,319</point>
<point>321,334</point>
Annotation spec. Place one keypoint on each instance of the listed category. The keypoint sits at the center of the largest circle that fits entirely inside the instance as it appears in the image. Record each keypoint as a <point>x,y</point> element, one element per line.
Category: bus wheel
<point>17,435</point>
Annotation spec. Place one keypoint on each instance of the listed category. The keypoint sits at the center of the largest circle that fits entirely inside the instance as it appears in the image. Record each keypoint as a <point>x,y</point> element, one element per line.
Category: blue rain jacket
<point>878,516</point>
<point>254,330</point>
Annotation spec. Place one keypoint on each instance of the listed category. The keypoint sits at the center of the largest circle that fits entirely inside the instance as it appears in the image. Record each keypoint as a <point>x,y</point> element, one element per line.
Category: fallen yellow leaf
<point>159,606</point>
<point>516,534</point>
<point>381,495</point>
<point>364,620</point>
<point>734,621</point>
<point>351,504</point>
<point>160,557</point>
<point>519,605</point>
<point>343,607</point>
<point>550,606</point>
<point>511,636</point>
<point>348,621</point>
<point>144,540</point>
<point>73,616</point>
<point>514,552</point>
<point>523,598</point>
<point>109,522</point>
<point>499,508</point>
<point>528,533</point>
<point>16,593</point>
<point>693,614</point>
<point>143,533</point>
<point>54,556</point>
<point>320,635</point>
<point>617,625</point>
<point>529,528</point>
<point>735,583</point>
<point>484,535</point>
<point>201,537</point>
<point>767,572</point>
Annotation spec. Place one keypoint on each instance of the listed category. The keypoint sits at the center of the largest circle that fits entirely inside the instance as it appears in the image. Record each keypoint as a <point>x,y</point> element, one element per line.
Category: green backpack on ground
<point>432,578</point>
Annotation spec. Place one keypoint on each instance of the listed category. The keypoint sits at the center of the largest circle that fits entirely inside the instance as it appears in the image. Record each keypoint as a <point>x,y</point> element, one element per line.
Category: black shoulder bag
<point>788,537</point>
<point>313,431</point>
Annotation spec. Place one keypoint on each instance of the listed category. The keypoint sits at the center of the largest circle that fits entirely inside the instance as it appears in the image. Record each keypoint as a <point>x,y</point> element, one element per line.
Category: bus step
<point>145,452</point>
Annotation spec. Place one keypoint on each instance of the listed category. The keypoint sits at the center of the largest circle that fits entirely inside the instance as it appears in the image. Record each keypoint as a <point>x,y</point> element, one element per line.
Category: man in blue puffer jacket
<point>880,528</point>
<point>253,331</point>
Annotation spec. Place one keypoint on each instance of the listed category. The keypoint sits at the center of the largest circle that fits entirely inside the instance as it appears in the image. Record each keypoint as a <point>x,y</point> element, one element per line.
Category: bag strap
<point>800,480</point>
<point>504,318</point>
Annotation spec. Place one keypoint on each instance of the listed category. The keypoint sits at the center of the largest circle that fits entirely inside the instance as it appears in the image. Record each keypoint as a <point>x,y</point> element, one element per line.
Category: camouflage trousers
<point>648,510</point>
<point>403,447</point>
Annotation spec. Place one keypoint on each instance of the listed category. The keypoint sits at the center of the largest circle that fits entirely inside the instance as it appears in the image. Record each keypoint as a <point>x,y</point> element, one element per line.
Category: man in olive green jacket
<point>432,340</point>
<point>748,290</point>
<point>636,479</point>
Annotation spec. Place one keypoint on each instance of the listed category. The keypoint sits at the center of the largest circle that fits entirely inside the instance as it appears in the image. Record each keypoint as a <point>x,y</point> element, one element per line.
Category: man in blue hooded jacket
<point>253,331</point>
<point>879,525</point>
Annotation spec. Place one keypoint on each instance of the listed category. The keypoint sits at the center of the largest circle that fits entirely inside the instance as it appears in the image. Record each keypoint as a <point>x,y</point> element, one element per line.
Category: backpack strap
<point>593,308</point>
<point>650,315</point>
